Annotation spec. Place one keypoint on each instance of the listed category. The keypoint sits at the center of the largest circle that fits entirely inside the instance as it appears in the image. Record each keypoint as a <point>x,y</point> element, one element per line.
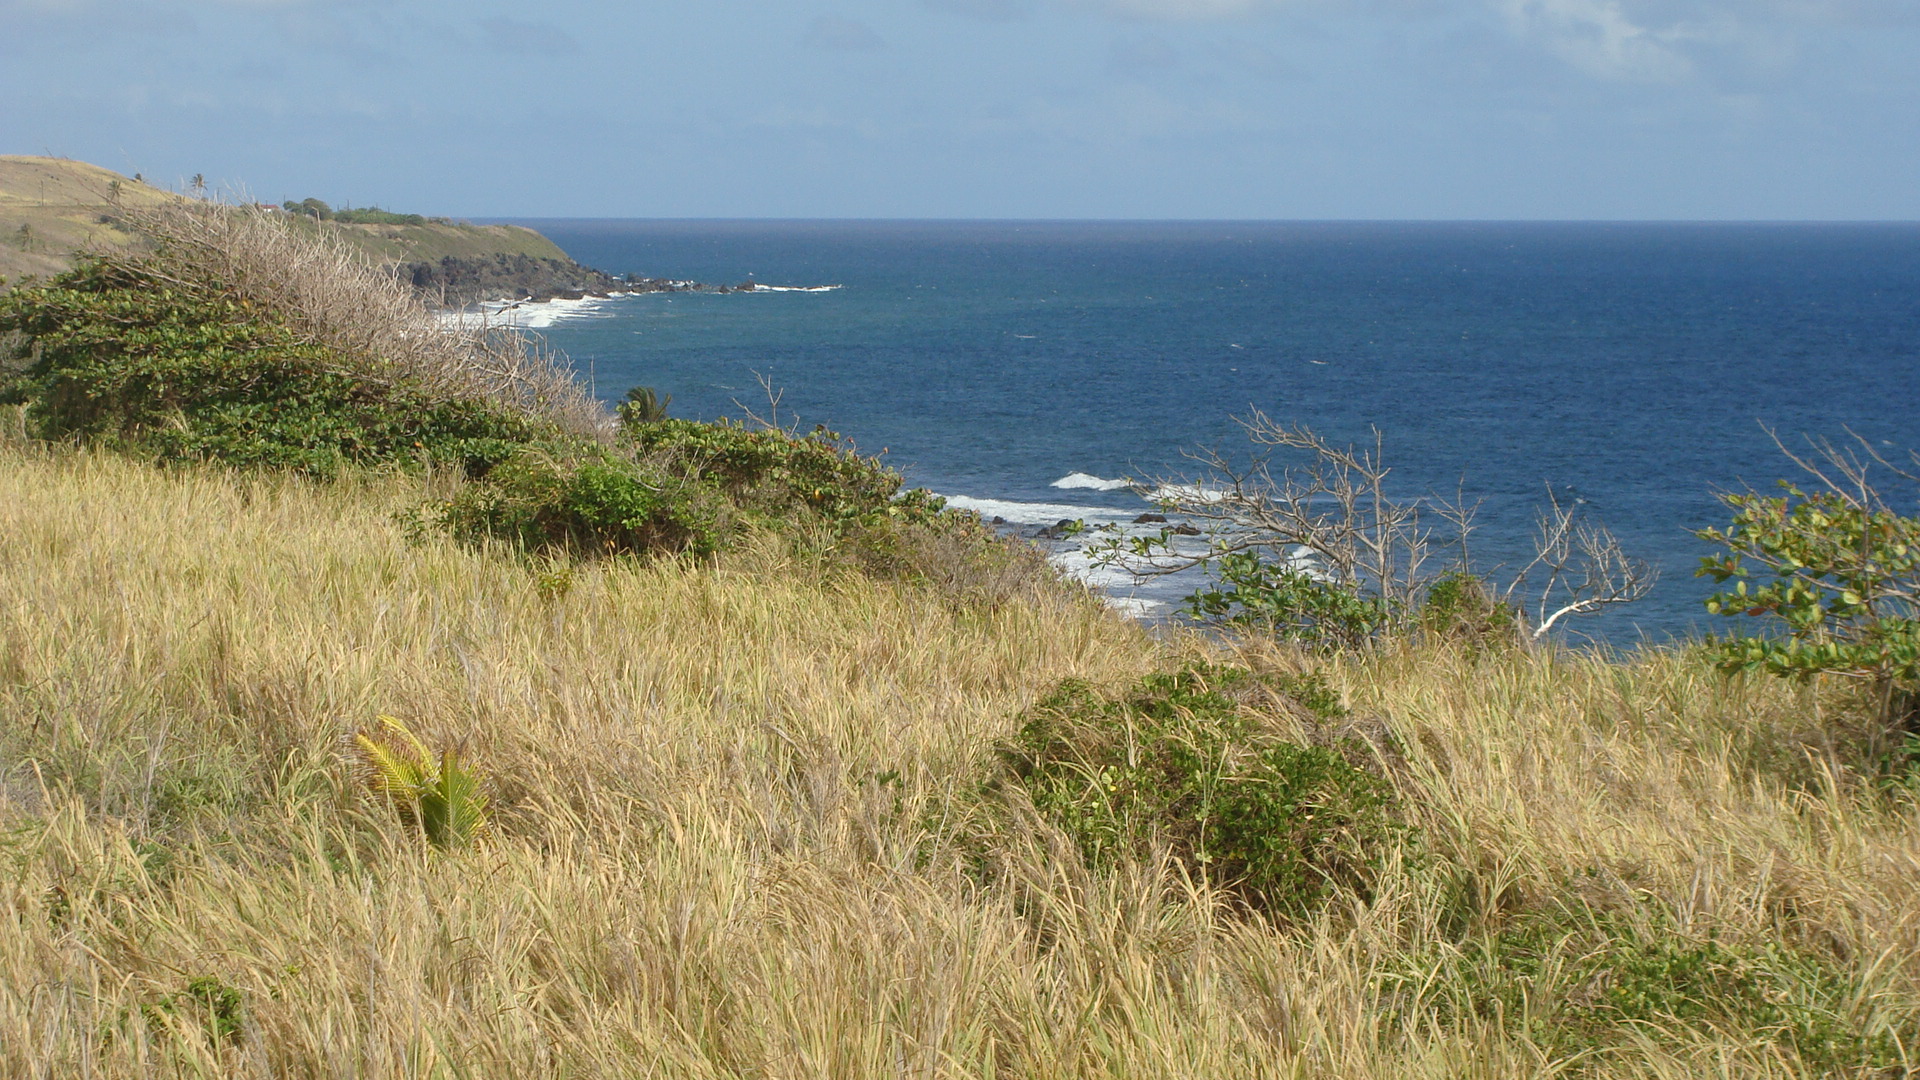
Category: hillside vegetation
<point>336,742</point>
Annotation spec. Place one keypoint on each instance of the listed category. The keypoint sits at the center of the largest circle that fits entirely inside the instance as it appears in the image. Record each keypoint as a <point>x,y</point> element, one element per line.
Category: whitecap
<point>526,314</point>
<point>793,288</point>
<point>1014,512</point>
<point>1187,493</point>
<point>1090,482</point>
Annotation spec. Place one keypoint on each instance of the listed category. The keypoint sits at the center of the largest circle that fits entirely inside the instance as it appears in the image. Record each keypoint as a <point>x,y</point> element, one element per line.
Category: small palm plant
<point>643,406</point>
<point>444,799</point>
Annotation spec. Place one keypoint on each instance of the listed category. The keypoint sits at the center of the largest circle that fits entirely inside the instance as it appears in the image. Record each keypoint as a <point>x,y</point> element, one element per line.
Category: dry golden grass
<point>718,793</point>
<point>64,206</point>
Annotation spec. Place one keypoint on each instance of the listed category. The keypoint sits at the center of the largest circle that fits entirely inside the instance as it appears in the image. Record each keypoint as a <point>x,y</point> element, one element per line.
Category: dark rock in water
<point>998,520</point>
<point>1184,529</point>
<point>456,281</point>
<point>1056,530</point>
<point>1150,519</point>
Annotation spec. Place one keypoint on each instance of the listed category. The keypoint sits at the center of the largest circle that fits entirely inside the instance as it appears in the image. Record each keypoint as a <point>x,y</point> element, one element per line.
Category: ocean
<point>1635,368</point>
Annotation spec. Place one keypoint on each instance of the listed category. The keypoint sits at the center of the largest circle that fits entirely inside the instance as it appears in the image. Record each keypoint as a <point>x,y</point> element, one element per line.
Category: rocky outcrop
<point>458,281</point>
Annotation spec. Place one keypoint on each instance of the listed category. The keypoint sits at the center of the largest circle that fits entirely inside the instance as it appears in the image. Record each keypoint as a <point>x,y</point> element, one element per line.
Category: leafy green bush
<point>311,207</point>
<point>373,215</point>
<point>1195,760</point>
<point>583,499</point>
<point>773,476</point>
<point>129,361</point>
<point>1838,569</point>
<point>1281,599</point>
<point>685,486</point>
<point>1458,606</point>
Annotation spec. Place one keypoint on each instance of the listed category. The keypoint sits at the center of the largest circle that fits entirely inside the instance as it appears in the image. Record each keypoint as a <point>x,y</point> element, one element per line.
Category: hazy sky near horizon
<point>1564,109</point>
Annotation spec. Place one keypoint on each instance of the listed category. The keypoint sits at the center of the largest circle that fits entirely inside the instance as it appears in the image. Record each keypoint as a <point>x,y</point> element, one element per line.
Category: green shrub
<point>311,207</point>
<point>125,360</point>
<point>774,476</point>
<point>1281,599</point>
<point>1458,606</point>
<point>373,215</point>
<point>1195,761</point>
<point>1839,571</point>
<point>582,499</point>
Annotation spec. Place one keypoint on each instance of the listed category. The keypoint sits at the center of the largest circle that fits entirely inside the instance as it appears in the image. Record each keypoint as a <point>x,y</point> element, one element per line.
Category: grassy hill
<point>65,206</point>
<point>51,207</point>
<point>433,242</point>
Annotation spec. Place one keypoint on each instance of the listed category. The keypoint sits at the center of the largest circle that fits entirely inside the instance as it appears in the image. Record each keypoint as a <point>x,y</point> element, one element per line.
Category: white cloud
<point>1598,37</point>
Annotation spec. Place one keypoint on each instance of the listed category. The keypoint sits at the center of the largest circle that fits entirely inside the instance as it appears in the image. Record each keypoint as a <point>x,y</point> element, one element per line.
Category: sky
<point>1135,109</point>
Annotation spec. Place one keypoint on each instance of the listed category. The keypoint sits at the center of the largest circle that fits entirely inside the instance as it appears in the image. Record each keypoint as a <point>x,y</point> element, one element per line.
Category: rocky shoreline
<point>465,281</point>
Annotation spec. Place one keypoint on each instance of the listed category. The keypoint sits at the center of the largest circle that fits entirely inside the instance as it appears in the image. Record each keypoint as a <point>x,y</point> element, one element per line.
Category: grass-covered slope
<point>52,207</point>
<point>730,831</point>
<point>432,242</point>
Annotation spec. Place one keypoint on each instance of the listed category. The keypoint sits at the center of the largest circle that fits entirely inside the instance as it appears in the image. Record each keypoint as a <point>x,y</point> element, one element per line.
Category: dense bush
<point>1279,598</point>
<point>769,474</point>
<point>122,358</point>
<point>579,498</point>
<point>1838,570</point>
<point>1198,761</point>
<point>373,215</point>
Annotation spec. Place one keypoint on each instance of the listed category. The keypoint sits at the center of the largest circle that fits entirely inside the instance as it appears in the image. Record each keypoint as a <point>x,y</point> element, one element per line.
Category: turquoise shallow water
<point>1632,366</point>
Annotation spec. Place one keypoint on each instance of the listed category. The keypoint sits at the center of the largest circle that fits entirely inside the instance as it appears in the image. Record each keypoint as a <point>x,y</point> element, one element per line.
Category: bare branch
<point>1329,511</point>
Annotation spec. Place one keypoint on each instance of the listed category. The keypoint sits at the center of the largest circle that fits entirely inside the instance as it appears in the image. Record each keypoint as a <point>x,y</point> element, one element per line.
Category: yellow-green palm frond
<point>445,799</point>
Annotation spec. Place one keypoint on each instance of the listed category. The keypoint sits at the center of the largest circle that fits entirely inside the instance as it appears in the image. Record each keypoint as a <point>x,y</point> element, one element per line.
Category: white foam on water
<point>527,314</point>
<point>1120,588</point>
<point>1035,513</point>
<point>793,288</point>
<point>1090,482</point>
<point>1138,608</point>
<point>542,315</point>
<point>1188,493</point>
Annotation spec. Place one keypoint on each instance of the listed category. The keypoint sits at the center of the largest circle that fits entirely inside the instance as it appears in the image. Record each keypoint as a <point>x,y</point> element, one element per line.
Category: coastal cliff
<point>461,281</point>
<point>53,208</point>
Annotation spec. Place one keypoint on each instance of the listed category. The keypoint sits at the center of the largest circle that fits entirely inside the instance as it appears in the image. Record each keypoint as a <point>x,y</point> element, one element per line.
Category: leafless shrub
<point>1329,513</point>
<point>337,297</point>
<point>1580,568</point>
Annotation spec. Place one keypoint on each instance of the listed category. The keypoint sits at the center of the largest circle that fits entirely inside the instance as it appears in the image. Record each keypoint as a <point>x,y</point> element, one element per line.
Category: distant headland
<point>53,208</point>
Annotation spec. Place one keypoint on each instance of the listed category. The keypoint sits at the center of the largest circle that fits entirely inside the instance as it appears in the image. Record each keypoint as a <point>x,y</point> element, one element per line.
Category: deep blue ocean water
<point>1630,365</point>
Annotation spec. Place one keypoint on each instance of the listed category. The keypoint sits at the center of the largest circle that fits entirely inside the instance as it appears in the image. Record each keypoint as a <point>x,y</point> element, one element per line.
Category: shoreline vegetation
<point>373,702</point>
